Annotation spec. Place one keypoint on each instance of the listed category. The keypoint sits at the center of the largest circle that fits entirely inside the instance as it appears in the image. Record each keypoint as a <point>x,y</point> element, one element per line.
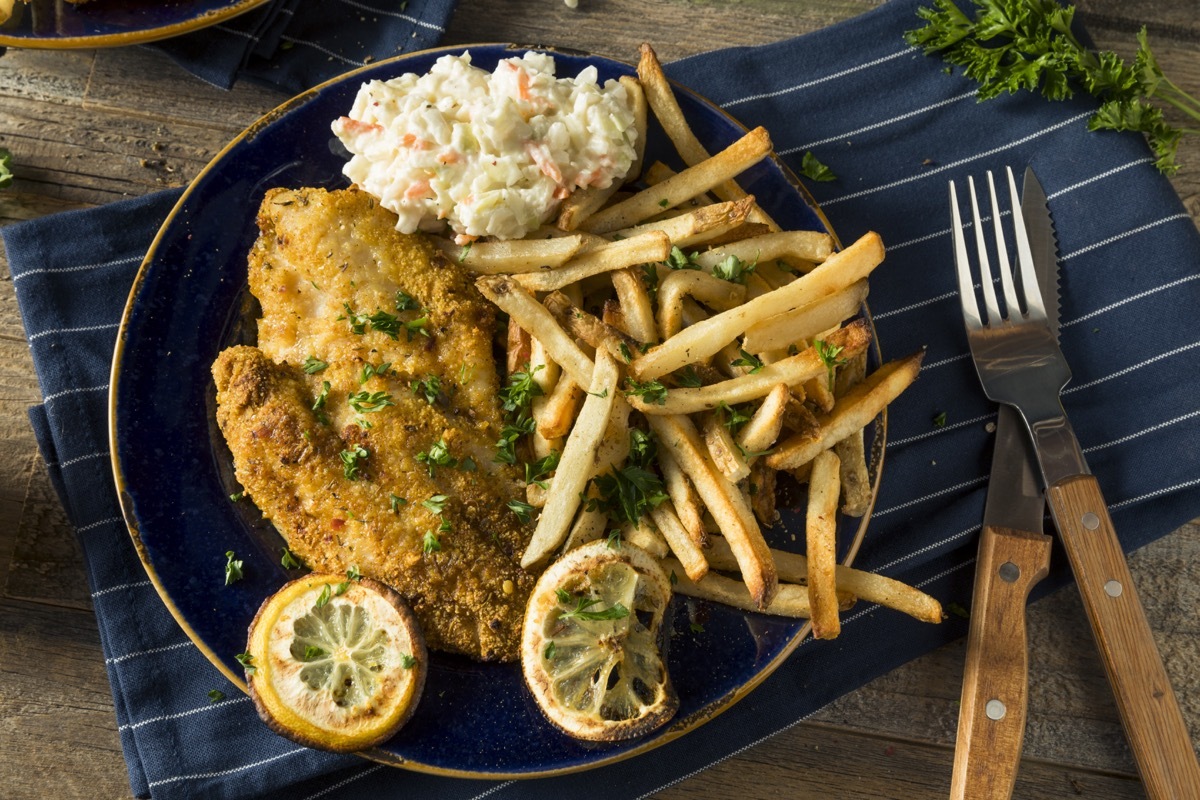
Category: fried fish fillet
<point>383,458</point>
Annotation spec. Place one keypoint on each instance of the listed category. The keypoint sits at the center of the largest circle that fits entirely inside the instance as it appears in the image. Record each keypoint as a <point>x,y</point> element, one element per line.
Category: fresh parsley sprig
<point>1015,45</point>
<point>584,604</point>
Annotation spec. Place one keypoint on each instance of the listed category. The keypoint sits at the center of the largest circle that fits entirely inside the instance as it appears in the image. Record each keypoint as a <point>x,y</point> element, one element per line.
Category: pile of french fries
<point>596,312</point>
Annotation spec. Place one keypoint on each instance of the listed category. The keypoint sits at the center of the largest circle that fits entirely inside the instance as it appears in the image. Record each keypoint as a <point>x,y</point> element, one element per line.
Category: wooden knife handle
<point>1154,725</point>
<point>991,718</point>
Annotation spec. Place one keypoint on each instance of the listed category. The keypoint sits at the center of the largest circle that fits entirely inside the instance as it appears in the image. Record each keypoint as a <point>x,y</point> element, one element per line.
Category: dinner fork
<point>1019,362</point>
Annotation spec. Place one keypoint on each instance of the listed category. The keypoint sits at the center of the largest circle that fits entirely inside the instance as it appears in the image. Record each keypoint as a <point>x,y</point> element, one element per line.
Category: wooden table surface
<point>91,127</point>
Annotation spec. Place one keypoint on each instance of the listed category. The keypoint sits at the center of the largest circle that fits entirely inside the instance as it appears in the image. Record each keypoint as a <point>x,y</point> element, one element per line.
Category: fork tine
<point>985,267</point>
<point>966,287</point>
<point>1029,282</point>
<point>1006,274</point>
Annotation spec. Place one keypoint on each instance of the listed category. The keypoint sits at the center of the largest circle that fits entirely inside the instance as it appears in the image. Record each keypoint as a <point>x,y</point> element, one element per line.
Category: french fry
<point>690,556</point>
<point>766,423</point>
<point>696,227</point>
<point>645,536</point>
<point>666,109</point>
<point>523,308</point>
<point>519,344</point>
<point>807,321</point>
<point>588,527</point>
<point>574,468</point>
<point>557,414</point>
<point>789,601</point>
<point>703,287</point>
<point>804,245</point>
<point>724,450</point>
<point>856,478</point>
<point>705,338</point>
<point>683,497</point>
<point>866,586</point>
<point>762,493</point>
<point>695,180</point>
<point>513,255</point>
<point>544,371</point>
<point>821,539</point>
<point>793,370</point>
<point>819,392</point>
<point>641,115</point>
<point>588,328</point>
<point>648,246</point>
<point>724,502</point>
<point>636,308</point>
<point>857,408</point>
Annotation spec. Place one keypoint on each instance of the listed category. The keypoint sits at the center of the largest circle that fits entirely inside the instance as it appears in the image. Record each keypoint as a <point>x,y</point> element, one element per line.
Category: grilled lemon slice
<point>589,646</point>
<point>336,663</point>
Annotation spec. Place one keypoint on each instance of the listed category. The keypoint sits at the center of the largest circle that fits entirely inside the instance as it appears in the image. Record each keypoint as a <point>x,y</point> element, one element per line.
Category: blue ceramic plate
<point>174,472</point>
<point>54,24</point>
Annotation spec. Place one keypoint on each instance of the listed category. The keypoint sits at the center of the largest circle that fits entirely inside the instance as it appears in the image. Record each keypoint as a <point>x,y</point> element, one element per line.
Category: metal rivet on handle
<point>995,710</point>
<point>1009,572</point>
<point>1113,588</point>
<point>1090,521</point>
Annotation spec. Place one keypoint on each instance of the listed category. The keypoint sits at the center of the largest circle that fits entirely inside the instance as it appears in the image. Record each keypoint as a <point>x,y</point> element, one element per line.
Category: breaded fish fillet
<point>383,458</point>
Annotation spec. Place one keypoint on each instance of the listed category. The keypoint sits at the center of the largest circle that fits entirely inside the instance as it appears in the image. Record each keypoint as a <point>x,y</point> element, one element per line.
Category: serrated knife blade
<point>1013,556</point>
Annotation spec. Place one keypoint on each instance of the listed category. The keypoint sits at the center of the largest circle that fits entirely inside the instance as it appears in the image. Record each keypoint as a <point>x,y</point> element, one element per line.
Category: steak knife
<point>1013,556</point>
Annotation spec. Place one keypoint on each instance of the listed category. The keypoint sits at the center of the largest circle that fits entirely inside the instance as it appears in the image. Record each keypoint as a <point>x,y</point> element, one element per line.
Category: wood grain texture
<point>996,670</point>
<point>81,124</point>
<point>1154,724</point>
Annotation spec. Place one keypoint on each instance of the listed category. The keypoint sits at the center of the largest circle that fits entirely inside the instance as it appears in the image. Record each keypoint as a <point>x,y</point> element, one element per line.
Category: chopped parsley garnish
<point>548,653</point>
<point>680,260</point>
<point>462,256</point>
<point>626,493</point>
<point>406,302</point>
<point>313,365</point>
<point>396,501</point>
<point>625,352</point>
<point>523,510</point>
<point>650,280</point>
<point>939,420</point>
<point>664,203</point>
<point>312,652</point>
<point>536,471</point>
<point>381,321</point>
<point>325,596</point>
<point>289,560</point>
<point>236,496</point>
<point>247,662</point>
<point>521,389</point>
<point>613,542</point>
<point>353,573</point>
<point>828,353</point>
<point>417,326</point>
<point>436,503</point>
<point>733,269</point>
<point>407,661</point>
<point>752,454</point>
<point>506,452</point>
<point>753,362</point>
<point>583,604</point>
<point>369,402</point>
<point>696,627</point>
<point>734,418</point>
<point>810,167</point>
<point>430,542</point>
<point>370,370</point>
<point>216,696</point>
<point>350,459</point>
<point>650,391</point>
<point>319,404</point>
<point>430,388</point>
<point>438,455</point>
<point>600,394</point>
<point>233,568</point>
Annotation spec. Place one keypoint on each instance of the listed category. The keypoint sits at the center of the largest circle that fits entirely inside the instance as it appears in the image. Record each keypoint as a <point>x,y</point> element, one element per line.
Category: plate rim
<point>676,728</point>
<point>124,38</point>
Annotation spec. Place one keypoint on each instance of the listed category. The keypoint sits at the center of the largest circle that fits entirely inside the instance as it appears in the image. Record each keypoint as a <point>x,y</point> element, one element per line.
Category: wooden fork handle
<point>1154,725</point>
<point>991,718</point>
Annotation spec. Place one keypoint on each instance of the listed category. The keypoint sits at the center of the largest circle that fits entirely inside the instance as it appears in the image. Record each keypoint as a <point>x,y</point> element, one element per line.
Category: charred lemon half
<point>589,646</point>
<point>336,663</point>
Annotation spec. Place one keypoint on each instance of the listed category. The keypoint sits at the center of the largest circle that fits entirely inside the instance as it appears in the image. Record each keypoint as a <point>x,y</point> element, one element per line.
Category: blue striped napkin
<point>293,45</point>
<point>895,127</point>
